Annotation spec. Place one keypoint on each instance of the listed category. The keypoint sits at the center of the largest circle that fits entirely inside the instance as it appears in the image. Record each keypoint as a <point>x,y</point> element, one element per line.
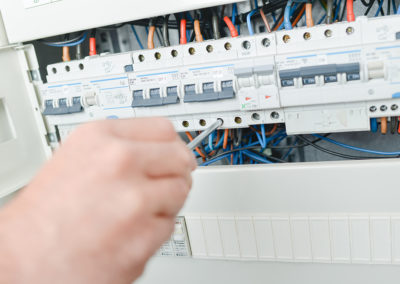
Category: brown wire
<point>197,31</point>
<point>65,56</point>
<point>265,20</point>
<point>309,19</point>
<point>150,37</point>
<point>272,131</point>
<point>226,136</point>
<point>384,123</point>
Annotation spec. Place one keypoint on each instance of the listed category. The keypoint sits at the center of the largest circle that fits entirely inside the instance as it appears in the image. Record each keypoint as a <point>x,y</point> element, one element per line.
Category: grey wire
<point>159,37</point>
<point>215,24</point>
<point>329,8</point>
<point>64,41</point>
<point>166,31</point>
<point>79,51</point>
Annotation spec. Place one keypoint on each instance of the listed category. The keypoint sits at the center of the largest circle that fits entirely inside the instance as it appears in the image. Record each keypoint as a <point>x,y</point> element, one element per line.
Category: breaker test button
<point>227,91</point>
<point>172,96</point>
<point>138,100</point>
<point>155,98</point>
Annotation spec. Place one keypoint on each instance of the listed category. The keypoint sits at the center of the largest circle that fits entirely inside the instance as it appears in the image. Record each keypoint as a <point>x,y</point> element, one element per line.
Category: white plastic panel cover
<point>22,134</point>
<point>25,20</point>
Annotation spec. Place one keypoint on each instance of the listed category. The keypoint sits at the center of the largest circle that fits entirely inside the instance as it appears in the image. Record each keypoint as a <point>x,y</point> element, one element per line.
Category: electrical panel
<point>271,89</point>
<point>316,80</point>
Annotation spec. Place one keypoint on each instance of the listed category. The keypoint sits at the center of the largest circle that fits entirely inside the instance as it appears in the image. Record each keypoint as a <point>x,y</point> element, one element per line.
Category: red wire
<point>92,46</point>
<point>231,27</point>
<point>350,11</point>
<point>183,32</point>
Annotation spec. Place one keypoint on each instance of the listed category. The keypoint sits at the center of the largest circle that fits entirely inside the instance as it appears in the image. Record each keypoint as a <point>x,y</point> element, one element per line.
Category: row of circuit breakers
<point>267,78</point>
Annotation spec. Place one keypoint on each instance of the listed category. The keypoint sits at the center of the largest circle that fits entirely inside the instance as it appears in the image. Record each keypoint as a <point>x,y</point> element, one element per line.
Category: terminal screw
<point>383,108</point>
<point>274,115</point>
<point>394,107</point>
<point>372,109</point>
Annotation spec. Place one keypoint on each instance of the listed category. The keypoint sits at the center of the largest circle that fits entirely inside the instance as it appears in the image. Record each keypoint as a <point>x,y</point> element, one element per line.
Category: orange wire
<point>350,11</point>
<point>299,16</point>
<point>190,137</point>
<point>309,19</point>
<point>272,131</point>
<point>279,24</point>
<point>197,31</point>
<point>150,38</point>
<point>384,125</point>
<point>65,56</point>
<point>231,27</point>
<point>265,20</point>
<point>225,144</point>
<point>295,20</point>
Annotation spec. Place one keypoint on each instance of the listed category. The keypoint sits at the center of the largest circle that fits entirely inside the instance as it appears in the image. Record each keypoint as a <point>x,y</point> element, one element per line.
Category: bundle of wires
<point>67,43</point>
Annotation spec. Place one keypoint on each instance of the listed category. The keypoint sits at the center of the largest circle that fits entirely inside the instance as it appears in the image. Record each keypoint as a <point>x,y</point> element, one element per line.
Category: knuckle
<point>165,128</point>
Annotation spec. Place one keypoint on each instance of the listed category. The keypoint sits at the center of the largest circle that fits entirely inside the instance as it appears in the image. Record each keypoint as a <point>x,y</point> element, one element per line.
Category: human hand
<point>100,208</point>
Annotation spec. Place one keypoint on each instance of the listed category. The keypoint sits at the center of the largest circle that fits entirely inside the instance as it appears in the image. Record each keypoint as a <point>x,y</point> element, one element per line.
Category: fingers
<point>156,159</point>
<point>142,129</point>
<point>166,197</point>
<point>163,159</point>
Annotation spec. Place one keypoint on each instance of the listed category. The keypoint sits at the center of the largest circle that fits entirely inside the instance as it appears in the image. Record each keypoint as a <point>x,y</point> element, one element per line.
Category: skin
<point>100,208</point>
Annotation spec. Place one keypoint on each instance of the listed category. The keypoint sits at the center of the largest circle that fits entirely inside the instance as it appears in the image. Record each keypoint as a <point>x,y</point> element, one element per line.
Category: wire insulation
<point>309,19</point>
<point>286,17</point>
<point>183,36</point>
<point>350,11</point>
<point>233,31</point>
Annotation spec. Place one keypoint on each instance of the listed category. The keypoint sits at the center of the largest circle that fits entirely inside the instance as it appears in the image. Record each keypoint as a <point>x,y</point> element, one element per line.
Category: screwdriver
<point>197,141</point>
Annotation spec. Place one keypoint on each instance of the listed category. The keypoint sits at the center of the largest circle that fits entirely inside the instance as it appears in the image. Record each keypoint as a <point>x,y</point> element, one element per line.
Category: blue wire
<point>209,162</point>
<point>394,6</point>
<point>337,10</point>
<point>256,157</point>
<point>281,26</point>
<point>280,140</point>
<point>322,19</point>
<point>286,17</point>
<point>210,141</point>
<point>256,3</point>
<point>82,39</point>
<point>137,37</point>
<point>290,150</point>
<point>263,135</point>
<point>398,11</point>
<point>379,8</point>
<point>249,25</point>
<point>234,11</point>
<point>343,145</point>
<point>274,18</point>
<point>374,125</point>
